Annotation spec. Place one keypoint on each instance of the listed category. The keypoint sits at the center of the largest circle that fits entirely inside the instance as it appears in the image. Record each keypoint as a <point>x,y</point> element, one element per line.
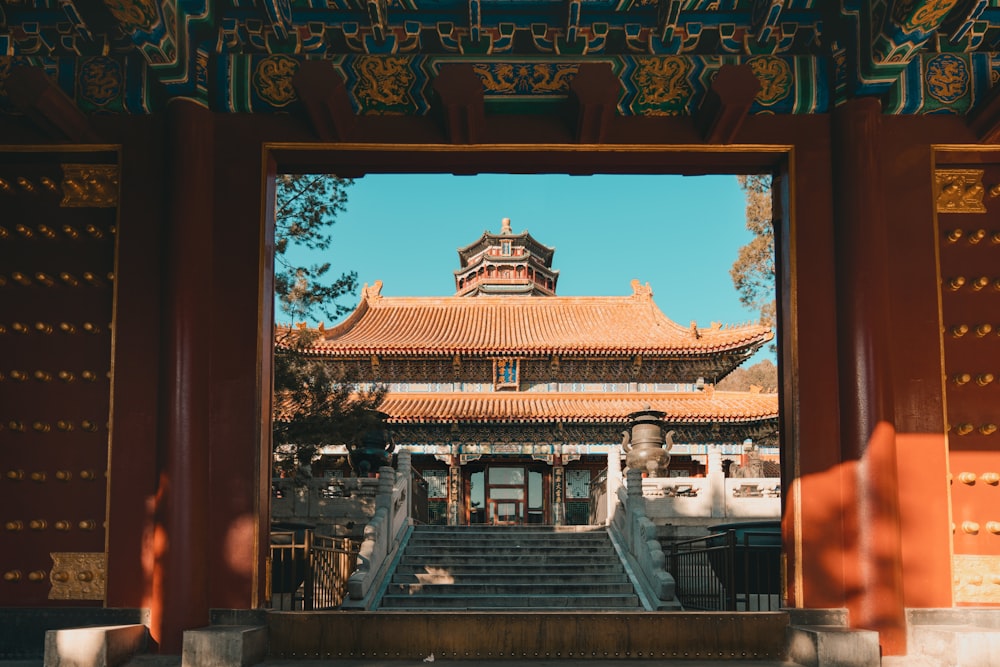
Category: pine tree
<point>316,404</point>
<point>306,208</point>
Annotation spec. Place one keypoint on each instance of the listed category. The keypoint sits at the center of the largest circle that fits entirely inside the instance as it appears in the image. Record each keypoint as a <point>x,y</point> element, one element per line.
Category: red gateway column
<point>872,551</point>
<point>180,576</point>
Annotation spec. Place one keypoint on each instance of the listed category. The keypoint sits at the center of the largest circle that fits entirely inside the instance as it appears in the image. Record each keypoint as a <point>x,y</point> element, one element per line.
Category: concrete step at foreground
<point>577,636</point>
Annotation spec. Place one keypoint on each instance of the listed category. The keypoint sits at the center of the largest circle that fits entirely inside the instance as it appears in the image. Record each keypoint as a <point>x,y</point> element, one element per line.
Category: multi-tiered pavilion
<point>510,401</point>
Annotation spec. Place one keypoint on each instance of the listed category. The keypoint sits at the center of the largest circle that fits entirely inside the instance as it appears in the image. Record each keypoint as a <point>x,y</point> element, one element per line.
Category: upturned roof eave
<point>649,353</point>
<point>470,250</point>
<point>594,419</point>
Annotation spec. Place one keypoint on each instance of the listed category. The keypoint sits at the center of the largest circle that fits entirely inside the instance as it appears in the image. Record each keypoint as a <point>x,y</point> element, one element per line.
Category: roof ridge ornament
<point>638,289</point>
<point>373,292</point>
<point>505,226</point>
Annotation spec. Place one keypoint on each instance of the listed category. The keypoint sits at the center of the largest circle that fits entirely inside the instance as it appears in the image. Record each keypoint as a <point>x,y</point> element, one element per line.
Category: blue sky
<point>679,234</point>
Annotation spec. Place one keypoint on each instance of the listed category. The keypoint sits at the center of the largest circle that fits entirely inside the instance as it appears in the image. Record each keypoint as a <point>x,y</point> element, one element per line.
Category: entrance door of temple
<point>506,495</point>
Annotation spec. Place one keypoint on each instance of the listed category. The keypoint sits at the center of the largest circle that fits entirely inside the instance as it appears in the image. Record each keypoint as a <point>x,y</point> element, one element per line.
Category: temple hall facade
<point>510,397</point>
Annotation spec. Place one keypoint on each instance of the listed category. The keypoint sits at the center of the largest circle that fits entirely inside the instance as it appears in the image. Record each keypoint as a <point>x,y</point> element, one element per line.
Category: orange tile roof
<point>616,325</point>
<point>684,407</point>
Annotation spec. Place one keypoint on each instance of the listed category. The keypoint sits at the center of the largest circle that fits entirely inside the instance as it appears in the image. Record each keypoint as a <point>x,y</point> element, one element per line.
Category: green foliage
<point>306,207</point>
<point>753,271</point>
<point>316,402</point>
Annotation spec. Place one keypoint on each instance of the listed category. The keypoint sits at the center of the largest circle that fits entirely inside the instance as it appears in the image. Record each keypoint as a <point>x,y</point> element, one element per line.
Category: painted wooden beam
<point>984,119</point>
<point>593,98</point>
<point>460,103</point>
<point>326,101</point>
<point>726,103</point>
<point>38,98</point>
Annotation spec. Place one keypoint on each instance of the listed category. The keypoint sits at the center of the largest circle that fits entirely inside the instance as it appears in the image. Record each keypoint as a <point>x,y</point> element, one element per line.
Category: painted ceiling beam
<point>378,16</point>
<point>726,103</point>
<point>984,119</point>
<point>906,26</point>
<point>668,14</point>
<point>48,107</point>
<point>572,42</point>
<point>324,95</point>
<point>765,17</point>
<point>593,97</point>
<point>460,103</point>
<point>959,23</point>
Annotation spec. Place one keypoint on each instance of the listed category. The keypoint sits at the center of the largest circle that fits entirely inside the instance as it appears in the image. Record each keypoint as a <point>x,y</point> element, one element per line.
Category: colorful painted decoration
<point>919,56</point>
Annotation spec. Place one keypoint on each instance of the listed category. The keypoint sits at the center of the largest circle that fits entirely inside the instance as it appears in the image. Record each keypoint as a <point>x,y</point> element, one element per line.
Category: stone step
<point>479,576</point>
<point>526,637</point>
<point>509,588</point>
<point>505,551</point>
<point>533,540</point>
<point>506,569</point>
<point>483,562</point>
<point>494,568</point>
<point>509,602</point>
<point>541,569</point>
<point>470,530</point>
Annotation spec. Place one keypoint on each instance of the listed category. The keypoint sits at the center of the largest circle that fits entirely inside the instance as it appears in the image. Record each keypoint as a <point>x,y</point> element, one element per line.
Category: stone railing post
<point>716,482</point>
<point>383,497</point>
<point>404,474</point>
<point>634,487</point>
<point>377,538</point>
<point>635,506</point>
<point>614,481</point>
<point>644,546</point>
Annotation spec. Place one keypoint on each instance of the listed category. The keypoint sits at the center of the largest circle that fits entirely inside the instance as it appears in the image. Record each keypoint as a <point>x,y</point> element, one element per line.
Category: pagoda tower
<point>506,263</point>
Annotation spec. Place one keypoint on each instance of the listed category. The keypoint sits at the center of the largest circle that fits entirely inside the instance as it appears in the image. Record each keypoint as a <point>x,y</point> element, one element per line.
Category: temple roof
<point>521,325</point>
<point>576,407</point>
<point>691,407</point>
<point>505,264</point>
<point>488,240</point>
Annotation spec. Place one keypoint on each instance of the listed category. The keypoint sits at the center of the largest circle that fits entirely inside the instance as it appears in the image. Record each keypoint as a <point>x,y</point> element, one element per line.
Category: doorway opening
<point>514,485</point>
<point>506,494</point>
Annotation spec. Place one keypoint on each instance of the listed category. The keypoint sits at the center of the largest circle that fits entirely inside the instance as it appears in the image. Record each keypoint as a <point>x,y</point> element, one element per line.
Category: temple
<point>510,401</point>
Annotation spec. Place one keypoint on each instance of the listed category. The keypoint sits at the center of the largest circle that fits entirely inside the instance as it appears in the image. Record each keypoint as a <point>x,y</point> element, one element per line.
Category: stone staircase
<point>533,568</point>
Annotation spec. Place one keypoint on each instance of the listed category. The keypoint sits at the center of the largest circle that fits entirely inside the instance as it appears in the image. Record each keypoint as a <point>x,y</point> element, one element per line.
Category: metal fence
<point>308,571</point>
<point>735,570</point>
